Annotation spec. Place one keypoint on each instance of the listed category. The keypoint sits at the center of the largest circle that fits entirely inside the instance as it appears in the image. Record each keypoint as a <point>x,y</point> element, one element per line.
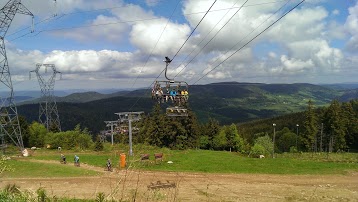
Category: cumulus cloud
<point>146,35</point>
<point>219,75</point>
<point>335,12</point>
<point>300,44</point>
<point>295,64</point>
<point>300,24</point>
<point>151,2</point>
<point>351,26</point>
<point>111,30</point>
<point>84,64</point>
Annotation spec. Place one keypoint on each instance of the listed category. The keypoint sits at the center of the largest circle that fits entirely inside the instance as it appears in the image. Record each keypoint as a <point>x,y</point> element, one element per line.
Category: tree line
<point>333,128</point>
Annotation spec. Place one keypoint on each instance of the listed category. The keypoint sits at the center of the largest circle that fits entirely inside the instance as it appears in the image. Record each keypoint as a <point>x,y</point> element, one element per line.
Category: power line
<point>74,13</point>
<point>252,38</point>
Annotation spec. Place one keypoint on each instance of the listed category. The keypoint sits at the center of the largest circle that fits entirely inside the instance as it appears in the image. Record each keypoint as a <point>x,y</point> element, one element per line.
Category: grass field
<point>25,169</point>
<point>43,167</point>
<point>205,161</point>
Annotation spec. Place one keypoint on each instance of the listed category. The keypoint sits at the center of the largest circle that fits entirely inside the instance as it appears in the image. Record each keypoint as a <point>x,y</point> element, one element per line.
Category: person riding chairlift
<point>173,93</point>
<point>159,94</point>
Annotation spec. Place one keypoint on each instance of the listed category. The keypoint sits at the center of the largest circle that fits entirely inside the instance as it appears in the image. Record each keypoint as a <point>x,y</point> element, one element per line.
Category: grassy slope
<point>34,169</point>
<point>224,162</point>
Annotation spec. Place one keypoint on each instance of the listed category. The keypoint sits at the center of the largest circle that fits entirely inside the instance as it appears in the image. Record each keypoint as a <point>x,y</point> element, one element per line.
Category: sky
<point>121,44</point>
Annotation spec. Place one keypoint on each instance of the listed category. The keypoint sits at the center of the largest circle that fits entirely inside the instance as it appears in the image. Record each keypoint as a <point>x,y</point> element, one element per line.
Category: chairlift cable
<point>194,30</point>
<point>165,69</point>
<point>161,34</point>
<point>73,13</point>
<point>212,37</point>
<point>250,39</point>
<point>279,9</point>
<point>117,22</point>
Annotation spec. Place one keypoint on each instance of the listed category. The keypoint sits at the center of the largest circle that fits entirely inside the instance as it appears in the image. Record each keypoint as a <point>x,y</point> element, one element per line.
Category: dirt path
<point>82,165</point>
<point>130,184</point>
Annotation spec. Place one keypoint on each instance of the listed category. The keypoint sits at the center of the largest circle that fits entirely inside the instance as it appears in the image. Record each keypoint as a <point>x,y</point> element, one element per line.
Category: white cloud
<point>300,44</point>
<point>300,24</point>
<point>219,75</point>
<point>146,35</point>
<point>351,26</point>
<point>295,64</point>
<point>335,30</point>
<point>84,64</point>
<point>152,2</point>
<point>272,54</point>
<point>103,28</point>
<point>335,12</point>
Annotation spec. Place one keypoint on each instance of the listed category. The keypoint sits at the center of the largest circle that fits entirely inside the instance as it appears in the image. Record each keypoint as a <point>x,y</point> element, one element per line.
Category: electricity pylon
<point>48,114</point>
<point>129,117</point>
<point>9,120</point>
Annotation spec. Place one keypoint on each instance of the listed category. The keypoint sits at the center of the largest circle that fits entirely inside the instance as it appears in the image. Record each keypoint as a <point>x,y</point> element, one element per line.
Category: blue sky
<point>122,44</point>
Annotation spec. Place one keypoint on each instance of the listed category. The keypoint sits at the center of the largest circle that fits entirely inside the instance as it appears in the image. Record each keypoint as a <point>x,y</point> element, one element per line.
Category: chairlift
<point>176,111</point>
<point>125,129</point>
<point>174,93</point>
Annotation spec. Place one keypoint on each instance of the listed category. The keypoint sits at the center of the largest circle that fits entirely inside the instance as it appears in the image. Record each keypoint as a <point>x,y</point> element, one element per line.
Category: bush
<point>41,194</point>
<point>3,165</point>
<point>74,139</point>
<point>257,150</point>
<point>266,143</point>
<point>293,149</point>
<point>98,146</point>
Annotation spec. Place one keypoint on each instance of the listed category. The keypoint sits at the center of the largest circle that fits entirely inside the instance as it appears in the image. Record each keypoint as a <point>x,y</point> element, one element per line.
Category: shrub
<point>98,144</point>
<point>258,150</point>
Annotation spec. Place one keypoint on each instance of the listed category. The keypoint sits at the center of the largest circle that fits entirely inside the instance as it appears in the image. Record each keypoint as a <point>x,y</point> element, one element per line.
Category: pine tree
<point>98,146</point>
<point>335,125</point>
<point>234,140</point>
<point>351,123</point>
<point>191,126</point>
<point>209,131</point>
<point>155,127</point>
<point>310,127</point>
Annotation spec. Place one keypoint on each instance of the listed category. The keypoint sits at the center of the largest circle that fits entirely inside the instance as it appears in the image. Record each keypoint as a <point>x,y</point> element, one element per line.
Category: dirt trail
<point>82,165</point>
<point>130,184</point>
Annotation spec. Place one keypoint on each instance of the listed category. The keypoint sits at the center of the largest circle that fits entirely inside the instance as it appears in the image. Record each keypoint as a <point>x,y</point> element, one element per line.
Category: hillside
<point>227,102</point>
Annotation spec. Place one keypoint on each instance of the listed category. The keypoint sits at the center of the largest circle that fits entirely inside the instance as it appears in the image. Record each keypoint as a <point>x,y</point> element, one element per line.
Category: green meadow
<point>185,161</point>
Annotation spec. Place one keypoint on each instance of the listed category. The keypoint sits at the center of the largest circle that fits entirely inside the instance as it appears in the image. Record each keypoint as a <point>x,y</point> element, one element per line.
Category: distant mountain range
<point>228,102</point>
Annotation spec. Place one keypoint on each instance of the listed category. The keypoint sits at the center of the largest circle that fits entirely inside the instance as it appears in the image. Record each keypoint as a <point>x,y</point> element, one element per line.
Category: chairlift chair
<point>170,91</point>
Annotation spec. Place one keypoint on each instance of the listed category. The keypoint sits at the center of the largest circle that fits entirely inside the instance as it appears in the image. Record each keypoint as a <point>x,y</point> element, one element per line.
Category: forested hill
<point>229,102</point>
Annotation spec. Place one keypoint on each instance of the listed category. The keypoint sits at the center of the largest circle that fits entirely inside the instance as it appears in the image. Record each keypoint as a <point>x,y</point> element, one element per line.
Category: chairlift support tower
<point>111,124</point>
<point>48,113</point>
<point>9,120</point>
<point>129,117</point>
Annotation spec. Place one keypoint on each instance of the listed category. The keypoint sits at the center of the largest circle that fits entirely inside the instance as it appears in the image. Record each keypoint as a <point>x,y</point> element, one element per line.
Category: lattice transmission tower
<point>9,120</point>
<point>48,113</point>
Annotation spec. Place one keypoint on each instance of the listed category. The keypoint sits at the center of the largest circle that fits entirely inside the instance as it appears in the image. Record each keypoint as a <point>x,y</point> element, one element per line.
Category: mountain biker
<point>109,165</point>
<point>63,159</point>
<point>77,160</point>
